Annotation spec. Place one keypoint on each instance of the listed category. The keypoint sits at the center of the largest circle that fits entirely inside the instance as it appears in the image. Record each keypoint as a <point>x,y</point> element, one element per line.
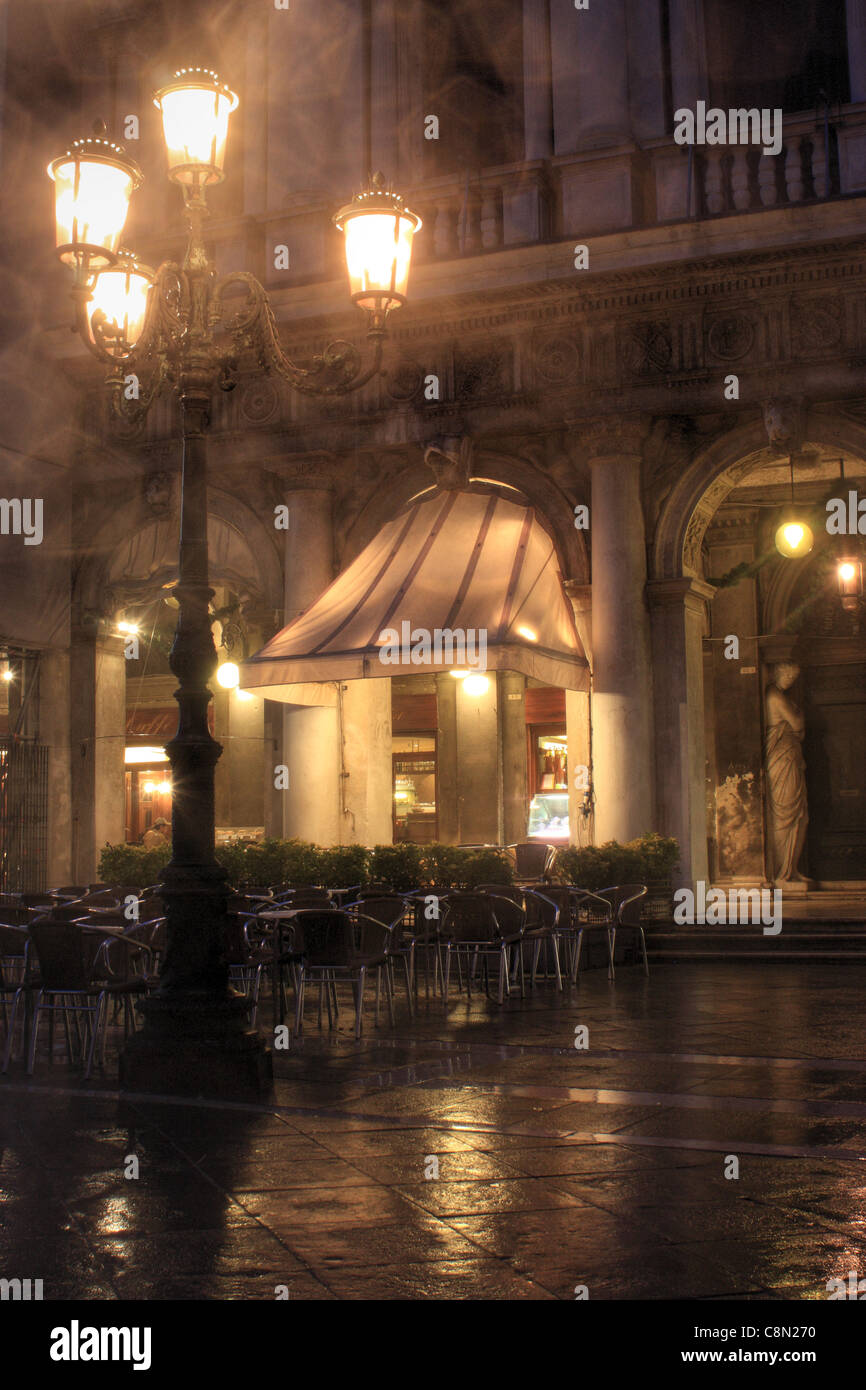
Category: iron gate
<point>23,815</point>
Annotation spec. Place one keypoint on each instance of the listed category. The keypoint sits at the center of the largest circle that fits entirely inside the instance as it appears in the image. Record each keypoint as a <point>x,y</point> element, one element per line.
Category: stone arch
<point>715,471</point>
<point>253,548</point>
<point>543,493</point>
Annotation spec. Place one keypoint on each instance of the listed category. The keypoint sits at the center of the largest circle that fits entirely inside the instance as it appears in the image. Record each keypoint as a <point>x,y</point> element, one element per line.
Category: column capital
<point>691,593</point>
<point>611,436</point>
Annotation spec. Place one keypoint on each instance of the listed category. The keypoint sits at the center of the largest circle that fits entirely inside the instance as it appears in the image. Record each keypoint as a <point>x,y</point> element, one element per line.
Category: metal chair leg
<point>98,1014</point>
<point>611,947</point>
<point>299,1002</point>
<point>389,990</point>
<point>37,1009</point>
<point>359,1004</point>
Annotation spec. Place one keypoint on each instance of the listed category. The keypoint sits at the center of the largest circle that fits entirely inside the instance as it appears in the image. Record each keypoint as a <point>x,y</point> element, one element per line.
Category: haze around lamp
<point>195,111</point>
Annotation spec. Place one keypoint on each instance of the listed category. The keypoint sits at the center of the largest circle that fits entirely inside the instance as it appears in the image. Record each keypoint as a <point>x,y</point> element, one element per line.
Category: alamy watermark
<point>734,127</point>
<point>22,516</point>
<point>460,647</point>
<point>714,907</point>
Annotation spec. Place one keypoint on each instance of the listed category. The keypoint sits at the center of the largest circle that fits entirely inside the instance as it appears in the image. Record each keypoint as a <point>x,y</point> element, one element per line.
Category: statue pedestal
<point>795,887</point>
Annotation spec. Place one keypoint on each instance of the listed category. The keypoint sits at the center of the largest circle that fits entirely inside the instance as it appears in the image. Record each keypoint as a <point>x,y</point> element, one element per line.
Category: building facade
<point>653,347</point>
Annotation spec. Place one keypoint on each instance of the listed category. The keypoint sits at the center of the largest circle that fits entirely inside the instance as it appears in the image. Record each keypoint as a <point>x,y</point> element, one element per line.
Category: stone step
<point>674,957</point>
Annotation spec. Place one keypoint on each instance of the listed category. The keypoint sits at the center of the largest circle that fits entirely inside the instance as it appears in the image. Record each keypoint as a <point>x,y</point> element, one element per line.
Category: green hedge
<point>649,859</point>
<point>300,864</point>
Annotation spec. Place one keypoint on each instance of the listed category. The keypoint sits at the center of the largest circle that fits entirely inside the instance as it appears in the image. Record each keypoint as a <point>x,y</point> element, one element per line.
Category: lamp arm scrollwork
<point>253,329</point>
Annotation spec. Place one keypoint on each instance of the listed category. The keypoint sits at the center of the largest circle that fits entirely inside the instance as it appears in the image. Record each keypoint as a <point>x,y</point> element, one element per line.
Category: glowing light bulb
<point>228,675</point>
<point>794,538</point>
<point>476,685</point>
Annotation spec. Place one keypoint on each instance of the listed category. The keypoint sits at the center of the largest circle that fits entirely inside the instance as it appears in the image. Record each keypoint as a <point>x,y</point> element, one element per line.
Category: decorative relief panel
<point>729,336</point>
<point>646,348</point>
<point>816,326</point>
<point>557,358</point>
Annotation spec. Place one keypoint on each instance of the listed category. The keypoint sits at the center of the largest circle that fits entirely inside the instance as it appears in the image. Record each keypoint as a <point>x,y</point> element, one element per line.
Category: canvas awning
<point>455,565</point>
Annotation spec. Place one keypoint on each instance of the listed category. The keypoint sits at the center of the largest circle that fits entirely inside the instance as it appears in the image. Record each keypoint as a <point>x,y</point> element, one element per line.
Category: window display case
<point>548,786</point>
<point>548,817</point>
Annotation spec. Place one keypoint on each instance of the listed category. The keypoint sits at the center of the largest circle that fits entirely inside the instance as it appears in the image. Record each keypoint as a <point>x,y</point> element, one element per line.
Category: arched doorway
<point>719,524</point>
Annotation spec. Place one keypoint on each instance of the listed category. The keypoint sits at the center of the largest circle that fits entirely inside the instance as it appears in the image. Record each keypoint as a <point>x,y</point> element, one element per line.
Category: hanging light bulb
<point>794,536</point>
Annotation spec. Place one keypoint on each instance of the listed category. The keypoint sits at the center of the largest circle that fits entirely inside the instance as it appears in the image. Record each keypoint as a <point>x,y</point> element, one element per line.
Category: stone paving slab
<point>474,1153</point>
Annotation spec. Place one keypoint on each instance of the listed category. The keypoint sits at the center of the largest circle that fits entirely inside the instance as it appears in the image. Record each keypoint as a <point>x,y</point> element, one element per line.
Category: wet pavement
<point>475,1153</point>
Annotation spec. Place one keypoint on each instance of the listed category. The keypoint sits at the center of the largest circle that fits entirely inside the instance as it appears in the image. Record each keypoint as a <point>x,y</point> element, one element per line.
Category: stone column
<point>590,75</point>
<point>310,734</point>
<point>622,697</point>
<point>53,714</point>
<point>645,69</point>
<point>366,772</point>
<point>384,126</point>
<point>688,53</point>
<point>577,721</point>
<point>515,800</point>
<point>856,17</point>
<point>479,767</point>
<point>678,617</point>
<point>537,93</point>
<point>446,759</point>
<point>97,730</point>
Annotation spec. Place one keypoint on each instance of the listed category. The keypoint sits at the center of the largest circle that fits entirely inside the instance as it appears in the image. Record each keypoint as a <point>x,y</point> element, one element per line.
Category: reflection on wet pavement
<point>475,1154</point>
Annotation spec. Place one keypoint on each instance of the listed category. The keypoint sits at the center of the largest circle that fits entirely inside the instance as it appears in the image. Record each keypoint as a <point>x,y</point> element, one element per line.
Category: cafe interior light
<point>476,685</point>
<point>127,628</point>
<point>378,230</point>
<point>93,182</point>
<point>528,633</point>
<point>459,675</point>
<point>142,754</point>
<point>149,788</point>
<point>195,110</point>
<point>164,788</point>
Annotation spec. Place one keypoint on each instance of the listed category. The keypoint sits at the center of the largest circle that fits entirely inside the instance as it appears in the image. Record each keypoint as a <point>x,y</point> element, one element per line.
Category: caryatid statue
<point>786,774</point>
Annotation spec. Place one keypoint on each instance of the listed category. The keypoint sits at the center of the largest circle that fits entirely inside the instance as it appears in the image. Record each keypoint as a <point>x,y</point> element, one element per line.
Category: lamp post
<point>181,328</point>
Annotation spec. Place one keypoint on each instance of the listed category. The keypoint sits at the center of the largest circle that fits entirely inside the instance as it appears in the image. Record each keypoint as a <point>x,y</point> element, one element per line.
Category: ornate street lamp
<point>183,328</point>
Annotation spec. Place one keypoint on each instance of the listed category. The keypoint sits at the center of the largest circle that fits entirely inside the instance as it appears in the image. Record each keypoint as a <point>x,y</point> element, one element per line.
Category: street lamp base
<point>196,1046</point>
